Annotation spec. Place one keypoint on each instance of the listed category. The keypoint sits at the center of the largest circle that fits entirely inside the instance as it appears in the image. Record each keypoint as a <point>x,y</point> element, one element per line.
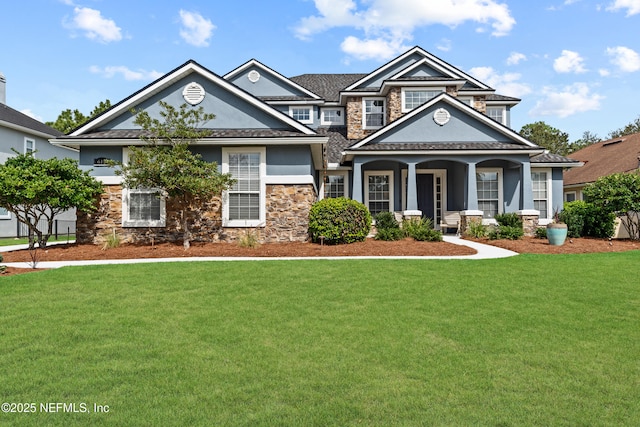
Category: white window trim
<point>467,99</point>
<point>503,120</point>
<point>364,114</point>
<point>302,107</point>
<point>33,147</point>
<point>549,218</point>
<point>326,123</point>
<point>442,173</point>
<point>487,221</point>
<point>6,216</point>
<point>418,89</point>
<point>261,222</point>
<point>126,222</point>
<point>344,174</point>
<point>575,195</point>
<point>369,173</point>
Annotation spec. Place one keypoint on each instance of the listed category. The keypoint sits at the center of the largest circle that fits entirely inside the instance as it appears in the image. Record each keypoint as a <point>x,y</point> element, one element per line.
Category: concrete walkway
<point>483,252</point>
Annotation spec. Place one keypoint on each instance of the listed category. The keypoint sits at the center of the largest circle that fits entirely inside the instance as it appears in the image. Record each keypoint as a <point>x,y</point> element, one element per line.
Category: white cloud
<point>370,49</point>
<point>569,62</point>
<point>392,22</point>
<point>567,101</point>
<point>31,114</point>
<point>505,84</point>
<point>515,58</point>
<point>627,60</point>
<point>632,6</point>
<point>196,30</point>
<point>604,72</point>
<point>444,45</point>
<point>128,74</point>
<point>94,26</point>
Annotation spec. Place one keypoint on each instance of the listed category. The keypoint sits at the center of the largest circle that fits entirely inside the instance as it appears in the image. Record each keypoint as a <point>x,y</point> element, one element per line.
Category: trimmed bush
<point>339,220</point>
<point>389,234</point>
<point>421,230</point>
<point>586,219</point>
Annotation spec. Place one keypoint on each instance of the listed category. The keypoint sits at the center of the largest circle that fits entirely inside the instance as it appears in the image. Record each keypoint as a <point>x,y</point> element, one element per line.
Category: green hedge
<point>339,220</point>
<point>586,219</point>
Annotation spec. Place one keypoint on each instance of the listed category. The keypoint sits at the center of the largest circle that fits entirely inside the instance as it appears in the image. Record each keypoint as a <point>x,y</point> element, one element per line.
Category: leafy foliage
<point>509,227</point>
<point>35,189</point>
<point>477,229</point>
<point>618,194</point>
<point>630,128</point>
<point>547,136</point>
<point>587,139</point>
<point>69,120</point>
<point>421,230</point>
<point>339,220</point>
<point>167,164</point>
<point>387,227</point>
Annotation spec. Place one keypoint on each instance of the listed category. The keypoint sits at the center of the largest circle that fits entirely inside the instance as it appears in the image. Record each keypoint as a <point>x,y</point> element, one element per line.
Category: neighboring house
<point>24,134</point>
<point>601,159</point>
<point>416,136</point>
<point>617,155</point>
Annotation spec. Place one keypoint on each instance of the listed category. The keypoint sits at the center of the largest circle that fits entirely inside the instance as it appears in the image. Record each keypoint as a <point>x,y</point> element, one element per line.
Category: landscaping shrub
<point>389,234</point>
<point>586,219</point>
<point>339,220</point>
<point>3,268</point>
<point>509,227</point>
<point>541,233</point>
<point>477,229</point>
<point>388,227</point>
<point>421,230</point>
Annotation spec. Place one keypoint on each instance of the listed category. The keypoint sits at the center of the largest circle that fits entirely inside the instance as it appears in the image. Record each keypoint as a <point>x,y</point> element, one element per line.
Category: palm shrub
<point>509,227</point>
<point>421,230</point>
<point>339,220</point>
<point>388,227</point>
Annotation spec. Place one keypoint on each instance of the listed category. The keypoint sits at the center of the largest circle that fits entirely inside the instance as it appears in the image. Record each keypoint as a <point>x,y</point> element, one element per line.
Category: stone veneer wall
<point>287,219</point>
<point>394,104</point>
<point>529,224</point>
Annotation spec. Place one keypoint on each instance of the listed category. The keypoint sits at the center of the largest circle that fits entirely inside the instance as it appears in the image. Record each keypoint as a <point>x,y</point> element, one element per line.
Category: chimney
<point>3,89</point>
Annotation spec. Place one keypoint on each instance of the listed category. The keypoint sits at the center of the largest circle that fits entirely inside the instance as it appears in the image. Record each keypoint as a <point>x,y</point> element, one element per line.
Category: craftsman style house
<point>416,136</point>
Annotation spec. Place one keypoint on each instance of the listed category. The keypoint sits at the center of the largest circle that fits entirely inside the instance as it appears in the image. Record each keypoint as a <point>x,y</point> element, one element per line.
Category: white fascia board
<point>432,60</point>
<point>300,102</point>
<point>556,165</point>
<point>289,179</point>
<point>258,64</point>
<point>348,154</point>
<point>502,102</point>
<point>316,140</point>
<point>444,97</point>
<point>182,72</point>
<point>337,167</point>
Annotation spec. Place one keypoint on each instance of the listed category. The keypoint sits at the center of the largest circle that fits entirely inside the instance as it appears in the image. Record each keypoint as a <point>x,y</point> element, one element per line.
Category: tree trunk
<point>186,236</point>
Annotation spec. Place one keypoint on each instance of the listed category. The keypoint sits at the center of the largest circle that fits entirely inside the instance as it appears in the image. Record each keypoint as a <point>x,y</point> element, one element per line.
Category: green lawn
<point>10,241</point>
<point>540,340</point>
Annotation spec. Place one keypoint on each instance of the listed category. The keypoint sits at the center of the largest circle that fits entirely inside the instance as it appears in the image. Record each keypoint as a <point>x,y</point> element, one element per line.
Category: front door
<point>425,195</point>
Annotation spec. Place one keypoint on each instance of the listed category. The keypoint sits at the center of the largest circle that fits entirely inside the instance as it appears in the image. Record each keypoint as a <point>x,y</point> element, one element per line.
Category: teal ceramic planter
<point>557,234</point>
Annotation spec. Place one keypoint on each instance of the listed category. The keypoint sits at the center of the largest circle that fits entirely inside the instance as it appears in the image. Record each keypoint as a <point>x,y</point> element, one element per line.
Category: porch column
<point>412,192</point>
<point>356,194</point>
<point>527,187</point>
<point>472,188</point>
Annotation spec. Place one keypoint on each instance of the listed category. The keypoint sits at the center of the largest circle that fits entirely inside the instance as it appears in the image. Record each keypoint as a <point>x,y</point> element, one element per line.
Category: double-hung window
<point>373,113</point>
<point>244,203</point>
<point>379,191</point>
<point>540,181</point>
<point>301,114</point>
<point>29,145</point>
<point>4,214</point>
<point>143,207</point>
<point>412,98</point>
<point>335,185</point>
<point>489,185</point>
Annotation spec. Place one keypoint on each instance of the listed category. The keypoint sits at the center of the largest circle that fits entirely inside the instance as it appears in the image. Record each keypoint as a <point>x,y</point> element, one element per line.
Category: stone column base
<point>530,220</point>
<point>468,217</point>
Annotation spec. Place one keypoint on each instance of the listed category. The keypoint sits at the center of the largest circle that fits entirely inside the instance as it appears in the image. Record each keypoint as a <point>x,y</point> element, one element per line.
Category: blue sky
<point>574,63</point>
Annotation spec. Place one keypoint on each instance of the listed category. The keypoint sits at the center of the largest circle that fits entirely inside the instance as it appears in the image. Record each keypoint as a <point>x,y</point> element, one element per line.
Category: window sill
<point>242,223</point>
<point>147,224</point>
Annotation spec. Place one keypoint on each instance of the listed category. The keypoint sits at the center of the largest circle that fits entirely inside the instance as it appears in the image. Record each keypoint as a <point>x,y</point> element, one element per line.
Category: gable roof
<point>14,119</point>
<point>605,158</point>
<point>328,86</point>
<point>253,63</point>
<point>434,62</point>
<point>514,141</point>
<point>177,74</point>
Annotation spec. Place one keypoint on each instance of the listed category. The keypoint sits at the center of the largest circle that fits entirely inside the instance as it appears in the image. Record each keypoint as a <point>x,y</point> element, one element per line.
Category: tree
<point>587,139</point>
<point>69,120</point>
<point>631,128</point>
<point>35,189</point>
<point>167,164</point>
<point>547,137</point>
<point>619,194</point>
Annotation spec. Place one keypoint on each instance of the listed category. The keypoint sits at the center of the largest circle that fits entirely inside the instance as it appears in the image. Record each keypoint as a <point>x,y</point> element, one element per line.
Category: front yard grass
<point>530,340</point>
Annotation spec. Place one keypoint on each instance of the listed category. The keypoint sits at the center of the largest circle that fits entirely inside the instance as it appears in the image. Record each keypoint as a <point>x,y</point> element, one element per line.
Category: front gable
<point>191,83</point>
<point>444,121</point>
<point>266,83</point>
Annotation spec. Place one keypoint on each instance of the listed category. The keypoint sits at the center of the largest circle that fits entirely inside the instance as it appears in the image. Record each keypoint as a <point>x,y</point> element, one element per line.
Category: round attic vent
<point>193,93</point>
<point>253,76</point>
<point>441,116</point>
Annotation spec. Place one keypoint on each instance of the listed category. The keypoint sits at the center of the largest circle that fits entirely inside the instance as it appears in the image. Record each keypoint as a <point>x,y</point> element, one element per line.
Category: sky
<point>574,63</point>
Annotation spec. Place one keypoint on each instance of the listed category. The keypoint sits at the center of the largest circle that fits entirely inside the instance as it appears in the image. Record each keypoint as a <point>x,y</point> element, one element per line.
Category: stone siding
<point>287,219</point>
<point>394,104</point>
<point>529,224</point>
